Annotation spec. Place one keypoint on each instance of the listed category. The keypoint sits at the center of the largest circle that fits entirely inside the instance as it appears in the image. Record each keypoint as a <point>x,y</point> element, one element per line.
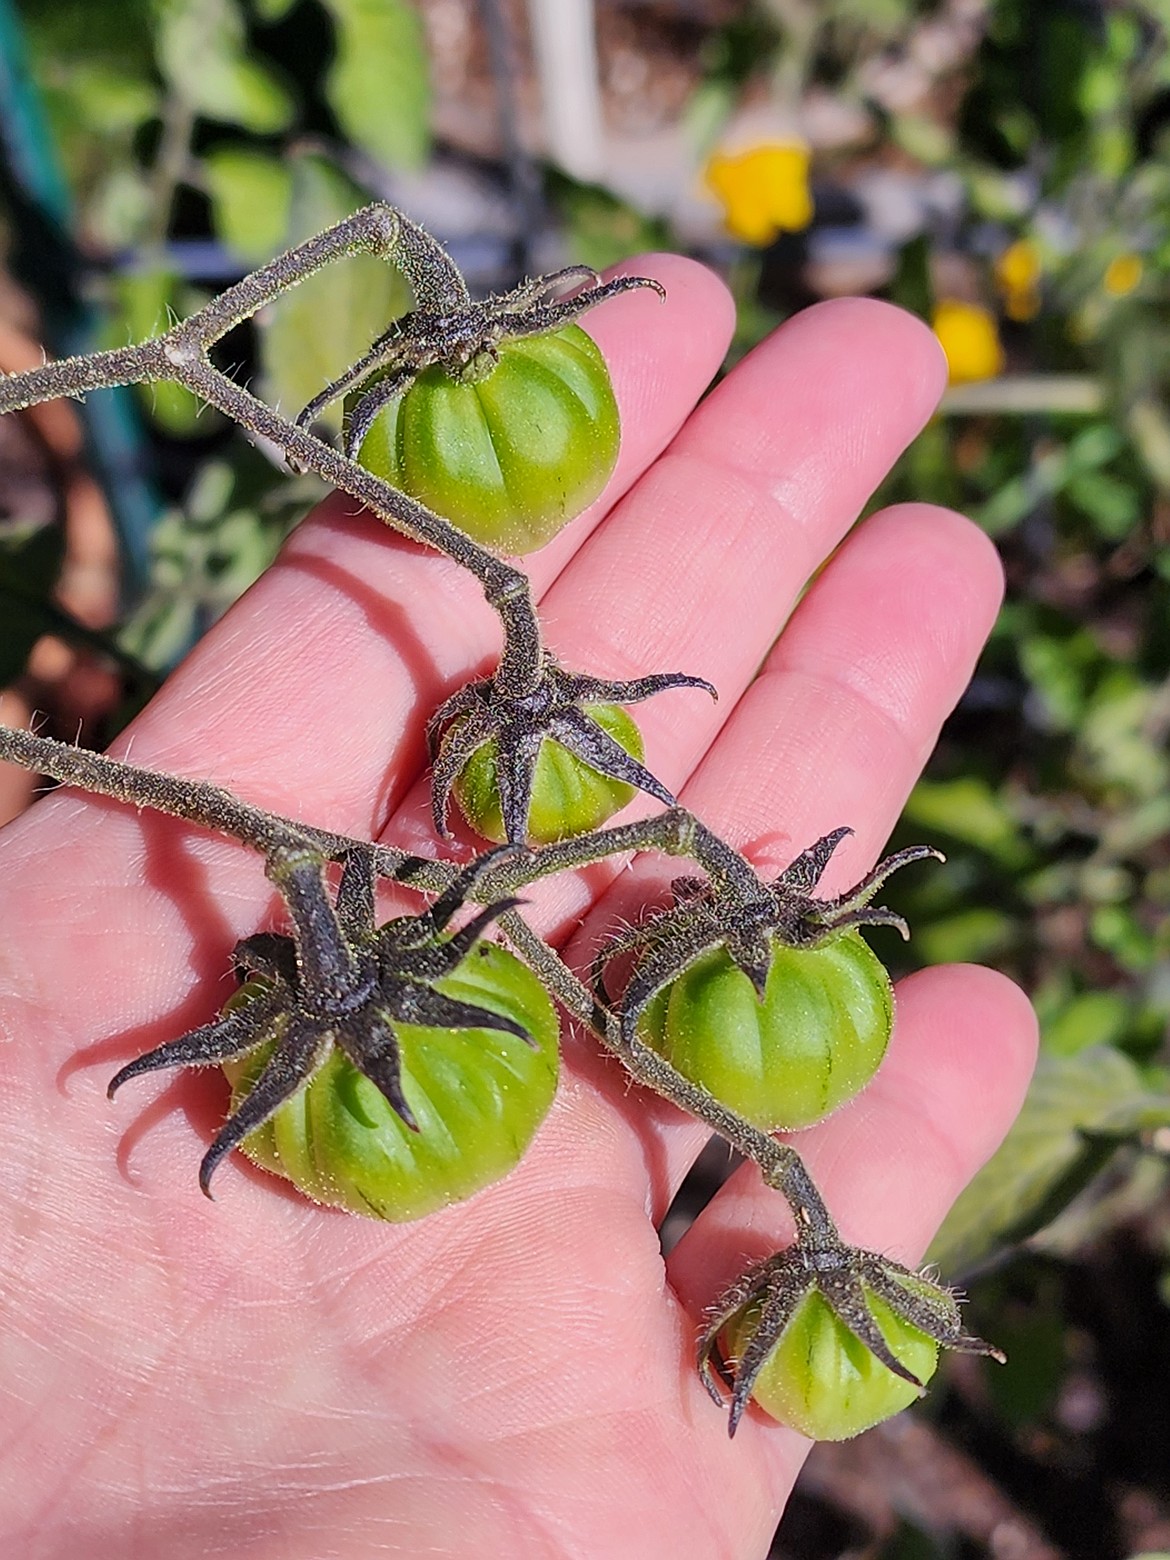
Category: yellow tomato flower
<point>968,336</point>
<point>1122,275</point>
<point>1017,273</point>
<point>763,191</point>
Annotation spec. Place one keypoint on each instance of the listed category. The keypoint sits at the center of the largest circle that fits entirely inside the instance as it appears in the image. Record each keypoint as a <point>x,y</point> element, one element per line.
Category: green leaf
<point>1119,736</point>
<point>311,333</point>
<point>250,197</point>
<point>970,936</point>
<point>272,10</point>
<point>1079,1110</point>
<point>1150,428</point>
<point>1060,668</point>
<point>105,98</point>
<point>1112,505</point>
<point>1092,1018</point>
<point>150,300</point>
<point>29,565</point>
<point>377,85</point>
<point>203,55</point>
<point>1048,475</point>
<point>1119,929</point>
<point>969,810</point>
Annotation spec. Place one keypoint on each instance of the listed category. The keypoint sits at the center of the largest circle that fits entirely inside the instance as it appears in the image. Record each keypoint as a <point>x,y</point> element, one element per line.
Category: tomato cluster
<point>393,1067</point>
<point>509,444</point>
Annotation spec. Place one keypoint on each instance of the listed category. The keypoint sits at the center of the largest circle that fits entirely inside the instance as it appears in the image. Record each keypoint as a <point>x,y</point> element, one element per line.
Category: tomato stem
<point>445,327</point>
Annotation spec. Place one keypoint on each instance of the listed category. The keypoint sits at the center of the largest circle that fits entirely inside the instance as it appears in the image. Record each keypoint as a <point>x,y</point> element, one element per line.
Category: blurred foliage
<point>30,560</point>
<point>315,331</point>
<point>209,549</point>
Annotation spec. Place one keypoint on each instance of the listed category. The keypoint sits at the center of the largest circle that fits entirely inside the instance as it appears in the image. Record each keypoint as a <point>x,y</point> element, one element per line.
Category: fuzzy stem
<point>780,1166</point>
<point>507,590</point>
<point>379,230</point>
<point>674,831</point>
<point>296,852</point>
<point>327,966</point>
<point>181,354</point>
<point>195,801</point>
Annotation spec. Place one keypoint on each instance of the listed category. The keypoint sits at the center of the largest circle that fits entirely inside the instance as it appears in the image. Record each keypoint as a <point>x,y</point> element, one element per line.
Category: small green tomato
<point>510,457</point>
<point>478,1096</point>
<point>822,1381</point>
<point>569,797</point>
<point>814,1042</point>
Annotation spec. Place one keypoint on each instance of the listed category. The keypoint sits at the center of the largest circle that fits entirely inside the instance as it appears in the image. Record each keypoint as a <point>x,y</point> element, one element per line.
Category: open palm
<point>257,1377</point>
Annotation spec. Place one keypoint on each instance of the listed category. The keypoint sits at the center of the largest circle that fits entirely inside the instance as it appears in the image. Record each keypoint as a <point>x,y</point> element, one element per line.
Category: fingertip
<point>950,540</point>
<point>890,1164</point>
<point>954,1078</point>
<point>653,344</point>
<point>964,1049</point>
<point>821,408</point>
<point>911,351</point>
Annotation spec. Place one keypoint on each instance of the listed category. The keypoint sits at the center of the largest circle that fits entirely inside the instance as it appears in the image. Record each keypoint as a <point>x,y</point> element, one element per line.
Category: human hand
<point>515,1376</point>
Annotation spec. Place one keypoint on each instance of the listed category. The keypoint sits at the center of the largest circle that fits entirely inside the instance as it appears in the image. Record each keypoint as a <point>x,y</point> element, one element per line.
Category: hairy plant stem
<point>295,853</point>
<point>181,354</point>
<point>780,1166</point>
<point>195,801</point>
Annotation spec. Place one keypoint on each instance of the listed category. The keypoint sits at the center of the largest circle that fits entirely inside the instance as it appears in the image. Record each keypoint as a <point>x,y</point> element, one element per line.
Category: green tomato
<point>569,796</point>
<point>509,458</point>
<point>478,1096</point>
<point>822,1380</point>
<point>814,1042</point>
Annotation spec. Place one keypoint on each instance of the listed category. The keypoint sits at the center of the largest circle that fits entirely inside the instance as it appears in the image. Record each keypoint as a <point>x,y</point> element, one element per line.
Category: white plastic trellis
<point>564,42</point>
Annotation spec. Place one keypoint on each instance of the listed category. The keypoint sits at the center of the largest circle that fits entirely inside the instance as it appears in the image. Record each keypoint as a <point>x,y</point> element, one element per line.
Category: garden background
<point>1001,167</point>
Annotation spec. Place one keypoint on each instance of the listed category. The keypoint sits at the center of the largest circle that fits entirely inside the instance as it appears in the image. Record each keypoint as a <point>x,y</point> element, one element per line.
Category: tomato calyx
<point>553,707</point>
<point>340,981</point>
<point>740,912</point>
<point>451,331</point>
<point>846,1278</point>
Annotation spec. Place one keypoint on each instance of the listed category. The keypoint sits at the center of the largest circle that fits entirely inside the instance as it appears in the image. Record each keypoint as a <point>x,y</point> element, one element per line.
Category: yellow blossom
<point>763,191</point>
<point>968,336</point>
<point>1122,275</point>
<point>1017,273</point>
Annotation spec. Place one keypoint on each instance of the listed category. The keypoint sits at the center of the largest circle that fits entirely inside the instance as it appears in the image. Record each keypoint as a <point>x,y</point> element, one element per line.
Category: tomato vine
<point>335,1005</point>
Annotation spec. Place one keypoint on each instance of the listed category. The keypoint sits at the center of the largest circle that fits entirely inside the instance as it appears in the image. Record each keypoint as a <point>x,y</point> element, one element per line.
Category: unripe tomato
<point>569,797</point>
<point>814,1042</point>
<point>478,1096</point>
<point>822,1380</point>
<point>510,458</point>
